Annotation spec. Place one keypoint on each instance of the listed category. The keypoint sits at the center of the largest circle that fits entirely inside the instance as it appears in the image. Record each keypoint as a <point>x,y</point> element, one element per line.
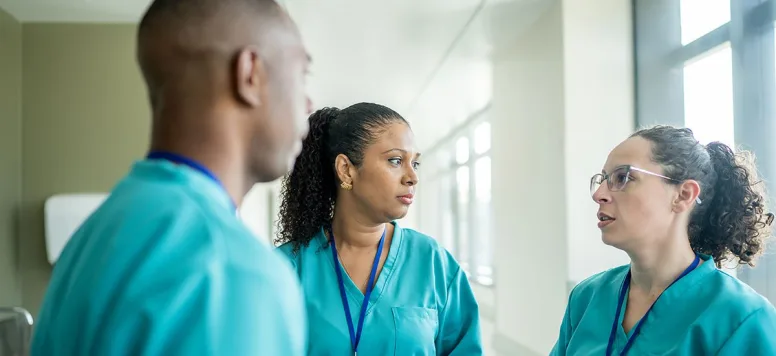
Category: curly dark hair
<point>731,222</point>
<point>309,192</point>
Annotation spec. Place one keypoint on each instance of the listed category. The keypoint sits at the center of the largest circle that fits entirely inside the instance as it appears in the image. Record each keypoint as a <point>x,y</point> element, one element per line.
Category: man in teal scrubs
<point>164,266</point>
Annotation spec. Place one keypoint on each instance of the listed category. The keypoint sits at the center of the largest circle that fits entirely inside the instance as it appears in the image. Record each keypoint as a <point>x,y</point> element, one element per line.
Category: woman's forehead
<point>396,136</point>
<point>635,151</point>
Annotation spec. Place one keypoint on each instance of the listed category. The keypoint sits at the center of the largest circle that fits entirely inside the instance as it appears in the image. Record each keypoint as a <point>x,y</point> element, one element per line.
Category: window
<point>708,96</point>
<point>710,65</point>
<point>774,62</point>
<point>447,228</point>
<point>484,209</point>
<point>460,213</point>
<point>462,187</point>
<point>699,17</point>
<point>462,150</point>
<point>482,138</point>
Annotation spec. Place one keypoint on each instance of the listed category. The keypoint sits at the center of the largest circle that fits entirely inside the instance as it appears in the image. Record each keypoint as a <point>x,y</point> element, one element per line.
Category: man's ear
<point>250,76</point>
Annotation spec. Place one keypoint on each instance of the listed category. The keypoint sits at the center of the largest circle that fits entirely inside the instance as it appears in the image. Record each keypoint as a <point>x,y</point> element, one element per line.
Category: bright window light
<point>708,96</point>
<point>699,17</point>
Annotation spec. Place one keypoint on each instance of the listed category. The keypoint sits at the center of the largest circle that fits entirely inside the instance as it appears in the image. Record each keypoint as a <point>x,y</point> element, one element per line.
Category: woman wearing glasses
<point>680,210</point>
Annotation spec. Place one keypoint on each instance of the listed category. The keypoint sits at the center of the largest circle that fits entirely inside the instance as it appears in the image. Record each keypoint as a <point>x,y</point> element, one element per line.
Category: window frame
<point>660,58</point>
<point>448,170</point>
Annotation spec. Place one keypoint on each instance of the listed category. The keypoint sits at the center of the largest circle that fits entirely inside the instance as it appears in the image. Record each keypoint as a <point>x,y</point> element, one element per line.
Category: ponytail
<point>732,219</point>
<point>307,193</point>
<point>731,222</point>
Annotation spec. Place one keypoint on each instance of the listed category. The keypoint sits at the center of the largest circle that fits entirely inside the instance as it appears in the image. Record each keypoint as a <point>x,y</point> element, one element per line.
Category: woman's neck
<point>653,269</point>
<point>353,231</point>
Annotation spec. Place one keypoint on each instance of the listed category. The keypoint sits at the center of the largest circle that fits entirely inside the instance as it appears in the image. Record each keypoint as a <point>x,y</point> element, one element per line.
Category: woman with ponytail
<point>371,286</point>
<point>680,210</point>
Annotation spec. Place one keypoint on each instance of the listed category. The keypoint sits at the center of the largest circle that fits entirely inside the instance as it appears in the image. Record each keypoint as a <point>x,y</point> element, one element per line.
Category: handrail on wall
<point>16,336</point>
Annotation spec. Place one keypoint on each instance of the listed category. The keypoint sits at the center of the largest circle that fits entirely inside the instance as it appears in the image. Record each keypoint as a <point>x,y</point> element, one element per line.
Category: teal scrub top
<point>708,312</point>
<point>421,304</point>
<point>164,267</point>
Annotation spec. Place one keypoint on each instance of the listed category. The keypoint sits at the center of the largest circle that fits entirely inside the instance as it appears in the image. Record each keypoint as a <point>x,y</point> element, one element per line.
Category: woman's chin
<point>398,213</point>
<point>611,239</point>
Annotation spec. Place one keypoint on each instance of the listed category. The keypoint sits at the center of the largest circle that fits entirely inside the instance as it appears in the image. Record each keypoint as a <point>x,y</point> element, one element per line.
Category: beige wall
<point>10,155</point>
<point>85,119</point>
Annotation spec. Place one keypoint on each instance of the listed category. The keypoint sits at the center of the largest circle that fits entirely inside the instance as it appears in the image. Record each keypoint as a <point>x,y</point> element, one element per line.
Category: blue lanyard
<point>623,291</point>
<point>180,159</point>
<point>355,337</point>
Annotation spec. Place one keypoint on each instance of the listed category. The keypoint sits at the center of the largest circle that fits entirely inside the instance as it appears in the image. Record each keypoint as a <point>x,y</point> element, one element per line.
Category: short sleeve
<point>756,336</point>
<point>460,321</point>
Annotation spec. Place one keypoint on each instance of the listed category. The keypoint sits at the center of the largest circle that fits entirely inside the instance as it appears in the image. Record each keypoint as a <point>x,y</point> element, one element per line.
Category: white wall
<point>562,97</point>
<point>395,59</point>
<point>599,103</point>
<point>529,177</point>
<point>255,210</point>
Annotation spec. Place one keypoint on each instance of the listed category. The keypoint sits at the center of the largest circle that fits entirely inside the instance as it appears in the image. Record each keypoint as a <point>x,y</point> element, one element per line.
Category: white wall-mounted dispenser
<point>63,215</point>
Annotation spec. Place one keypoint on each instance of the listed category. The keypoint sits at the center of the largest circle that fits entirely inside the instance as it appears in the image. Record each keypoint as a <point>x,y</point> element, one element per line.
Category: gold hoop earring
<point>346,186</point>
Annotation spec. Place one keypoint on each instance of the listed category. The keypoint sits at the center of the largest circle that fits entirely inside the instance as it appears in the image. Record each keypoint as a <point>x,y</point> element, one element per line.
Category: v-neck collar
<point>670,295</point>
<point>354,293</point>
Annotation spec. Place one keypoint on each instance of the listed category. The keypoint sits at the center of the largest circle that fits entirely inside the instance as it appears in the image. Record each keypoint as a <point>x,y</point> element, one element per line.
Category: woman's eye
<point>620,178</point>
<point>416,165</point>
<point>395,161</point>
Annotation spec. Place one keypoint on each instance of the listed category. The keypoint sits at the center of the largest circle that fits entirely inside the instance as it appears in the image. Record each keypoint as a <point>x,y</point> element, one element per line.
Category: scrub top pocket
<point>416,331</point>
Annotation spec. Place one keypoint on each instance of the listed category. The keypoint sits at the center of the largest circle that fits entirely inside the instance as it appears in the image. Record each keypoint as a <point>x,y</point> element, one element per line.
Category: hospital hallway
<point>514,105</point>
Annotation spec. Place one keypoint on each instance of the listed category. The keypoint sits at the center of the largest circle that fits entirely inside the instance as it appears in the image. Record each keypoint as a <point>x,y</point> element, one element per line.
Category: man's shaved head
<point>226,73</point>
<point>176,33</point>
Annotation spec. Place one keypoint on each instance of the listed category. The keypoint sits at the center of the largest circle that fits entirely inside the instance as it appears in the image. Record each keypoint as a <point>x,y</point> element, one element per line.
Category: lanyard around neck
<point>180,159</point>
<point>355,336</point>
<point>621,300</point>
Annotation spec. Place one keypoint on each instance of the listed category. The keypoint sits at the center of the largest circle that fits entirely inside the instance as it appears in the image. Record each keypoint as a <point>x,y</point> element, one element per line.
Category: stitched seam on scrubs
<point>570,325</point>
<point>441,325</point>
<point>218,243</point>
<point>743,321</point>
<point>399,239</point>
<point>450,285</point>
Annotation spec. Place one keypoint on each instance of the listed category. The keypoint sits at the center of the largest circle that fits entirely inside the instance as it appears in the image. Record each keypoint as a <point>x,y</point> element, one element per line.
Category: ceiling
<point>427,59</point>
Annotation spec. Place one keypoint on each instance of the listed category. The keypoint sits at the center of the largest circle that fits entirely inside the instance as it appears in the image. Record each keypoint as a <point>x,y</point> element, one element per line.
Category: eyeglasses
<point>620,176</point>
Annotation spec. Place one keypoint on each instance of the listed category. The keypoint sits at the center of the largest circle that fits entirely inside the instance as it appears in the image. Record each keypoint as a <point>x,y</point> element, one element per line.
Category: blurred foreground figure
<point>164,266</point>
